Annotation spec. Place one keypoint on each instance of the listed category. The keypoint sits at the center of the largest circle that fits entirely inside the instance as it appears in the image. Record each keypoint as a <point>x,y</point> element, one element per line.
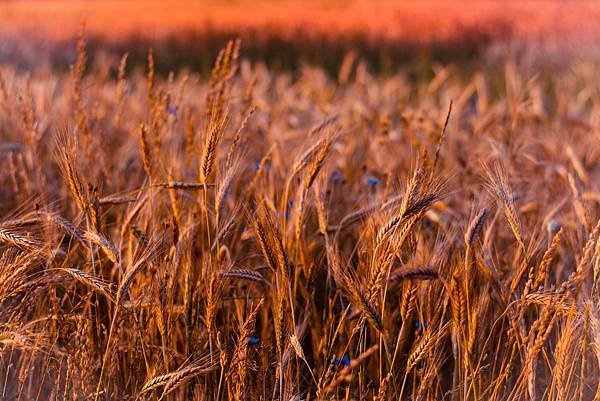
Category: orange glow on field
<point>407,20</point>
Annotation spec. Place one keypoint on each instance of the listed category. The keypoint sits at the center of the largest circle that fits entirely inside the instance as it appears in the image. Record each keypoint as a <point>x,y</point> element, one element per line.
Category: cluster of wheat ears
<point>258,236</point>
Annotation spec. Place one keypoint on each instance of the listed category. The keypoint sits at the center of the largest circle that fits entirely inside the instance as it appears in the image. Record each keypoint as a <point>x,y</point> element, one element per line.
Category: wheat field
<point>263,236</point>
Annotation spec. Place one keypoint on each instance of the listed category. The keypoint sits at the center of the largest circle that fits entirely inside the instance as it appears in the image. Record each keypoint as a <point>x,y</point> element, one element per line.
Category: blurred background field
<point>286,33</point>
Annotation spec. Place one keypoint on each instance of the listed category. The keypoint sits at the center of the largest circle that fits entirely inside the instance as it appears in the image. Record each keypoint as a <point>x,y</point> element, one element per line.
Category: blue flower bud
<point>172,110</point>
<point>336,176</point>
<point>372,181</point>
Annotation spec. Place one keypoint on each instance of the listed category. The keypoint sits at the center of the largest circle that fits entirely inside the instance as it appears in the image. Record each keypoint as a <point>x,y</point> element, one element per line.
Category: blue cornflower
<point>288,211</point>
<point>343,361</point>
<point>372,181</point>
<point>420,325</point>
<point>336,176</point>
<point>172,110</point>
<point>254,340</point>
